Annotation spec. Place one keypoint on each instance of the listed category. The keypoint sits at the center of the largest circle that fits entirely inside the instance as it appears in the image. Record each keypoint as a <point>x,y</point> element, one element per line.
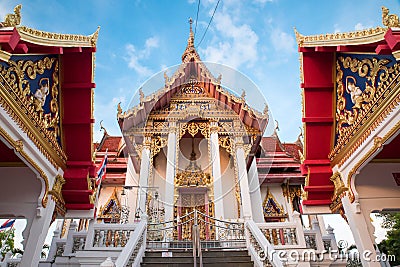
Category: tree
<point>7,241</point>
<point>391,245</point>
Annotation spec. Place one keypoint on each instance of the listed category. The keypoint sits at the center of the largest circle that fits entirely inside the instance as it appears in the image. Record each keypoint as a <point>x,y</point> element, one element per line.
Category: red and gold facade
<point>44,133</point>
<point>351,114</point>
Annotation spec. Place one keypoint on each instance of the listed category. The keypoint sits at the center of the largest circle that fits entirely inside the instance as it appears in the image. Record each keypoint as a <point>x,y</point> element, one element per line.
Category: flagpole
<point>98,192</point>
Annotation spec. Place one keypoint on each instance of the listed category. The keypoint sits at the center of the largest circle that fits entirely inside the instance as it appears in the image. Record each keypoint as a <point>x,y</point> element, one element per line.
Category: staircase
<point>211,258</point>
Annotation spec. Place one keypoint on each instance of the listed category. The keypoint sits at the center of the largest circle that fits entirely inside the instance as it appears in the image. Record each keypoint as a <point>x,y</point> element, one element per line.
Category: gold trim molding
<point>348,38</point>
<point>340,188</point>
<point>57,196</point>
<point>378,143</point>
<point>57,39</point>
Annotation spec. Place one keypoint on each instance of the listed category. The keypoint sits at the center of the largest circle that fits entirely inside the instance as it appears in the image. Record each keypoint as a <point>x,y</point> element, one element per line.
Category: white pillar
<point>255,194</point>
<point>144,176</point>
<point>216,171</point>
<point>170,173</point>
<point>247,213</point>
<point>39,227</point>
<point>359,228</point>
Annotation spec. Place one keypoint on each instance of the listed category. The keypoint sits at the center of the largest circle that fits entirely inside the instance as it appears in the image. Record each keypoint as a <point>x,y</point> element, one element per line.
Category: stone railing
<point>134,250</point>
<point>261,251</point>
<point>284,235</point>
<point>9,261</point>
<point>103,236</point>
<point>74,242</point>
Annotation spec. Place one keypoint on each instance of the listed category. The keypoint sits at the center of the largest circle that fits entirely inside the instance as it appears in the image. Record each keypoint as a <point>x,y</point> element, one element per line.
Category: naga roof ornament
<point>13,19</point>
<point>389,20</point>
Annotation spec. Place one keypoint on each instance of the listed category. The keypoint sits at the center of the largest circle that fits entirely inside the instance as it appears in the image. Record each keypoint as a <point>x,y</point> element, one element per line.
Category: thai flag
<point>7,224</point>
<point>102,170</point>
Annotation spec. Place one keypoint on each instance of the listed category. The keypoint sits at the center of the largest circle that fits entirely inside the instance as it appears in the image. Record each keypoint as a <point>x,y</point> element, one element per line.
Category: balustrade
<point>111,235</point>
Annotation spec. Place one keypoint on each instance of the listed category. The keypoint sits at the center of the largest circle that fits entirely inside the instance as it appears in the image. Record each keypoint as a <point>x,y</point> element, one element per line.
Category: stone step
<point>209,253</point>
<point>211,258</point>
<point>231,259</point>
<point>227,264</point>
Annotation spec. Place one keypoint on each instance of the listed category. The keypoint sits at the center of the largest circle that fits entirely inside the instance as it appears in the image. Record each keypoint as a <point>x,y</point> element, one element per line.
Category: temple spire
<point>191,35</point>
<point>190,51</point>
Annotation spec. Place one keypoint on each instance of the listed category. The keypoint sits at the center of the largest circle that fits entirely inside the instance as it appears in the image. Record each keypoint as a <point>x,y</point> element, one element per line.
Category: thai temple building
<point>195,177</point>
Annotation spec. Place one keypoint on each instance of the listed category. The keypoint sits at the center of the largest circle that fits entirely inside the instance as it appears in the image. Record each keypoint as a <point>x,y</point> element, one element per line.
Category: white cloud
<point>359,26</point>
<point>134,56</point>
<point>262,2</point>
<point>337,28</point>
<point>239,45</point>
<point>283,42</point>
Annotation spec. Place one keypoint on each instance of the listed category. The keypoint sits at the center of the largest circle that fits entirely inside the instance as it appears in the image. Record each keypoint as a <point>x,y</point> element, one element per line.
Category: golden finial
<point>141,95</point>
<point>299,37</point>
<point>166,78</point>
<point>389,20</point>
<point>95,36</point>
<point>12,20</point>
<point>102,128</point>
<point>119,109</point>
<point>191,34</point>
<point>243,96</point>
<point>266,109</point>
<point>277,126</point>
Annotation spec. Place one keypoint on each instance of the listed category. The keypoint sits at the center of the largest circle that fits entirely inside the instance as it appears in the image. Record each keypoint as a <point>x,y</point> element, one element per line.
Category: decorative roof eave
<point>361,37</point>
<point>57,39</point>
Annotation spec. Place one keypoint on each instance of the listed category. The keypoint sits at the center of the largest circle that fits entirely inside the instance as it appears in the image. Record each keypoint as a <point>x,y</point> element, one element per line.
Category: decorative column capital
<point>172,127</point>
<point>214,128</point>
<point>147,141</point>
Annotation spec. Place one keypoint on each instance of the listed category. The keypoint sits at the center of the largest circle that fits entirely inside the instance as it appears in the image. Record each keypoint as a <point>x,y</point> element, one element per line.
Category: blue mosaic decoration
<point>34,79</point>
<point>360,78</point>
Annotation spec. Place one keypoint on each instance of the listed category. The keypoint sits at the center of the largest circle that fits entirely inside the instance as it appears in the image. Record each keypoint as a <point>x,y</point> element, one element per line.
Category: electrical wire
<point>215,9</point>
<point>197,17</point>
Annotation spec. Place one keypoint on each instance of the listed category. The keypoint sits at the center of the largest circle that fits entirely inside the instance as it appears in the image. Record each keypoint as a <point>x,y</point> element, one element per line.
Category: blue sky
<point>140,38</point>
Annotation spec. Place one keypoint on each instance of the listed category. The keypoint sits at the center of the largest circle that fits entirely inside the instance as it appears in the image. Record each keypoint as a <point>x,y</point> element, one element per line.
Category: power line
<point>197,17</point>
<point>215,9</point>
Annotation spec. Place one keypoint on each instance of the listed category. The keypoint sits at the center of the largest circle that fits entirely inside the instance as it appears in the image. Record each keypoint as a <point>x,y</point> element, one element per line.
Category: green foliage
<point>391,245</point>
<point>7,241</point>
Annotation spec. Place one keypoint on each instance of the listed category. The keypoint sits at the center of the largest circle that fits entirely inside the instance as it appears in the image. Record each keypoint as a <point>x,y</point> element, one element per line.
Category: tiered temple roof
<point>279,162</point>
<point>117,163</point>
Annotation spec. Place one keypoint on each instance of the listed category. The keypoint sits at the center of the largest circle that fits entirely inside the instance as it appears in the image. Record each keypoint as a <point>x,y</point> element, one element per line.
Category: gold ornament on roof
<point>340,188</point>
<point>389,20</point>
<point>12,20</point>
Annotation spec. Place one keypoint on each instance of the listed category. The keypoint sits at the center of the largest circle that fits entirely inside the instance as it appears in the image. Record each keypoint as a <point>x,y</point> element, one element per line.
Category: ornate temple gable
<point>272,210</point>
<point>353,101</point>
<point>111,211</point>
<point>30,94</point>
<point>41,74</point>
<point>366,91</point>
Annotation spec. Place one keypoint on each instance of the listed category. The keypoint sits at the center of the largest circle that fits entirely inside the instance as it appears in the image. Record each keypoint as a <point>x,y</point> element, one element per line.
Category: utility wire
<point>197,17</point>
<point>215,9</point>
